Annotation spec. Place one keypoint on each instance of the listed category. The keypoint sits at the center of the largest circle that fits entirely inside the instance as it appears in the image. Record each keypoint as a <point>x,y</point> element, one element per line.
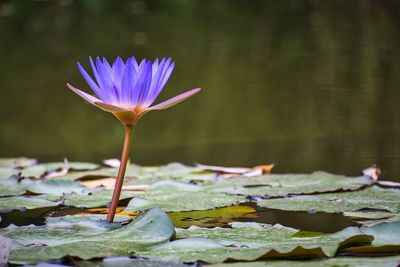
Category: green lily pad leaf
<point>77,166</point>
<point>370,198</point>
<point>150,228</point>
<point>179,196</point>
<point>59,232</point>
<point>94,199</point>
<point>290,184</point>
<point>386,238</point>
<point>250,241</point>
<point>7,172</point>
<point>131,262</point>
<point>57,187</point>
<point>17,162</point>
<point>35,171</point>
<point>77,175</point>
<point>390,261</point>
<point>79,217</point>
<point>11,187</point>
<point>373,215</point>
<point>25,202</point>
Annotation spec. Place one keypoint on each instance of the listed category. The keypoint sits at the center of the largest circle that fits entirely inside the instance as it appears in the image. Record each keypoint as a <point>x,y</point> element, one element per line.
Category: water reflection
<point>305,84</point>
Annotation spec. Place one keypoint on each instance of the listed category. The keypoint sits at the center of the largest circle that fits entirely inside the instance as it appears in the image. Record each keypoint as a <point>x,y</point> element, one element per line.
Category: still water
<point>308,85</point>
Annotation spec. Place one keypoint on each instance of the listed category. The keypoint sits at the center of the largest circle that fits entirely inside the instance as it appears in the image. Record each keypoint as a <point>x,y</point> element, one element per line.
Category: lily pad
<point>390,261</point>
<point>25,202</point>
<point>386,239</point>
<point>151,227</point>
<point>274,185</point>
<point>20,162</point>
<point>96,198</point>
<point>250,241</point>
<point>80,217</point>
<point>132,262</point>
<point>57,187</point>
<point>11,187</point>
<point>179,196</point>
<point>370,198</point>
<point>74,165</point>
<point>7,172</point>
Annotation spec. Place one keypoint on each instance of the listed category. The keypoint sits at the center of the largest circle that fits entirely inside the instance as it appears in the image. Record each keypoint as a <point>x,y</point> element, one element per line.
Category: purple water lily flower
<point>127,90</point>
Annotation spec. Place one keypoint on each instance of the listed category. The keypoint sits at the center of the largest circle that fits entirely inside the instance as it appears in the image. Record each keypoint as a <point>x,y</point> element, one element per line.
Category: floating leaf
<point>25,202</point>
<point>131,262</point>
<point>370,198</point>
<point>57,187</point>
<point>151,227</point>
<point>97,198</point>
<point>250,241</point>
<point>72,165</point>
<point>79,217</point>
<point>290,184</point>
<point>386,239</point>
<point>5,249</point>
<point>390,261</point>
<point>11,187</point>
<point>7,172</point>
<point>17,162</point>
<point>178,196</point>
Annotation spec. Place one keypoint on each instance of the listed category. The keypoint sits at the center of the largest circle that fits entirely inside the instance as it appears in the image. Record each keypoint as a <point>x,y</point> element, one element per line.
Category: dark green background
<point>308,85</point>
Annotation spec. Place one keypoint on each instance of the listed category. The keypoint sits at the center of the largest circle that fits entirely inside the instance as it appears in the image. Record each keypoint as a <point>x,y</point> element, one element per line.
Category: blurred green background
<point>308,85</point>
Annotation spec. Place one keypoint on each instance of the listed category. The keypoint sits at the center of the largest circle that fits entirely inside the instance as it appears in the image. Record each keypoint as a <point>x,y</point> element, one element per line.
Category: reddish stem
<point>121,174</point>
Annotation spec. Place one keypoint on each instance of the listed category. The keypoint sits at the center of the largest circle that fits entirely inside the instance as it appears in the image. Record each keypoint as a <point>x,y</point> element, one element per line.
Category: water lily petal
<point>109,107</point>
<point>166,76</point>
<point>128,77</point>
<point>89,98</point>
<point>105,73</point>
<point>154,83</point>
<point>90,81</point>
<point>140,83</point>
<point>156,90</point>
<point>175,100</point>
<point>118,70</point>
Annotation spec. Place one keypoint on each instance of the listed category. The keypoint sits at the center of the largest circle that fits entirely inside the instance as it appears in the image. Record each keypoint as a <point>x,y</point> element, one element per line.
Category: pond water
<point>305,84</point>
<point>220,217</point>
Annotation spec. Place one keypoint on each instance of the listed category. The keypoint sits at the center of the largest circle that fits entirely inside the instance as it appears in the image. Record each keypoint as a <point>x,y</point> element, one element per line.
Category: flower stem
<point>121,174</point>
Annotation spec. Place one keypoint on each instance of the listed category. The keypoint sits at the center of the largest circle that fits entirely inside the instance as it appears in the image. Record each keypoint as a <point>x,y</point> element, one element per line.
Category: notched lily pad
<point>390,261</point>
<point>250,241</point>
<point>275,185</point>
<point>386,239</point>
<point>179,196</point>
<point>57,187</point>
<point>150,228</point>
<point>94,199</point>
<point>20,162</point>
<point>25,202</point>
<point>370,198</point>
